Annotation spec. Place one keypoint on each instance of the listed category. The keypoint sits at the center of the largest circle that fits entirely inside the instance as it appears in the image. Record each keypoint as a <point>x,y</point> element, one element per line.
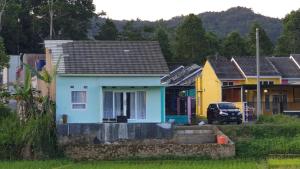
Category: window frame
<point>86,98</point>
<point>124,94</point>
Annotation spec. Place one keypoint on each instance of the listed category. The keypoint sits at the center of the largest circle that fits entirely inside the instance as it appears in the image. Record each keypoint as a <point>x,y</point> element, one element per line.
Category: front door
<point>279,103</point>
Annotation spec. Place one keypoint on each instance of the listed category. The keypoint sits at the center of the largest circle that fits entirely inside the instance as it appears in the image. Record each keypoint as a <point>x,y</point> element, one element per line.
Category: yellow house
<point>234,80</point>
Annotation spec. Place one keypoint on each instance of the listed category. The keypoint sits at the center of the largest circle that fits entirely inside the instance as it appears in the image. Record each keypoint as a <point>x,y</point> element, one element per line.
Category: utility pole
<point>258,109</point>
<point>51,13</point>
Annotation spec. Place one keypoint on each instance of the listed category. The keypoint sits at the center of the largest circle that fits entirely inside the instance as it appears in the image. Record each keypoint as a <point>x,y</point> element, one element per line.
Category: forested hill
<point>221,23</point>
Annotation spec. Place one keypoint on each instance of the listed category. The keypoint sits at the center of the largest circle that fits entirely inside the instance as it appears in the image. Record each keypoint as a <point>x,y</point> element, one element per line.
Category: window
<point>227,83</point>
<point>267,102</point>
<point>265,83</point>
<point>130,104</point>
<point>78,99</point>
<point>141,105</point>
<point>296,94</point>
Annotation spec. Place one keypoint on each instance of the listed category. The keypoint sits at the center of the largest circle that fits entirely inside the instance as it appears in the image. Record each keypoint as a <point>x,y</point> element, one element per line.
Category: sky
<point>165,9</point>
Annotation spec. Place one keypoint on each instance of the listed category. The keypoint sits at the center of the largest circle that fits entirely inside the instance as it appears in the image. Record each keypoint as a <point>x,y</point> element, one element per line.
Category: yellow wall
<point>208,89</point>
<point>276,80</point>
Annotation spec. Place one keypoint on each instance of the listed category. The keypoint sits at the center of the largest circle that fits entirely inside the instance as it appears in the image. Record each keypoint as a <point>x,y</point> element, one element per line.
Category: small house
<point>108,81</point>
<point>234,80</point>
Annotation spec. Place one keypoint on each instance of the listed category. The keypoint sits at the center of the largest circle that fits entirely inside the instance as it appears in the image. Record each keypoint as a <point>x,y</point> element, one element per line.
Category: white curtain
<point>78,99</point>
<point>141,105</point>
<point>108,105</point>
<point>119,103</point>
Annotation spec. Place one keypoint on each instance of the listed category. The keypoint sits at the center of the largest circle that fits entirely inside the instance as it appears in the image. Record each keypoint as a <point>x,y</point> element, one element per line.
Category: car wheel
<point>209,121</point>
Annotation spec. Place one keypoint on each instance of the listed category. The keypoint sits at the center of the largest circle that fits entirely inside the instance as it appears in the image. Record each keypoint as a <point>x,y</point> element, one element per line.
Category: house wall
<point>276,80</point>
<point>94,113</point>
<point>208,89</point>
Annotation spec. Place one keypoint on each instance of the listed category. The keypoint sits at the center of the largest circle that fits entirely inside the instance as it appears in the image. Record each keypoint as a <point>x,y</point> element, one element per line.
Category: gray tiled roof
<point>286,67</point>
<point>224,68</point>
<point>113,57</point>
<point>248,65</point>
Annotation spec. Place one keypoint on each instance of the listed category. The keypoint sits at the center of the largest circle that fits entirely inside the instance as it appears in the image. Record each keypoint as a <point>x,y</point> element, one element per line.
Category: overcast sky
<point>166,9</point>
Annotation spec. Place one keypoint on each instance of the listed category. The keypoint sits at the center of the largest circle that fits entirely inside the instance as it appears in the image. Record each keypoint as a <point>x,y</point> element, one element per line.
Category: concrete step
<point>194,138</point>
<point>195,127</point>
<point>202,131</point>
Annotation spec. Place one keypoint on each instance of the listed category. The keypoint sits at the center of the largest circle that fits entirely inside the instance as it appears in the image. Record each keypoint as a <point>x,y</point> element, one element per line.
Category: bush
<point>37,133</point>
<point>4,111</point>
<point>260,140</point>
<point>278,119</point>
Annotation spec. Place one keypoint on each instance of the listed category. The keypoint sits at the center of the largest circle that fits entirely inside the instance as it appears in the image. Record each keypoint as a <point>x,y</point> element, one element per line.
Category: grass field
<point>156,164</point>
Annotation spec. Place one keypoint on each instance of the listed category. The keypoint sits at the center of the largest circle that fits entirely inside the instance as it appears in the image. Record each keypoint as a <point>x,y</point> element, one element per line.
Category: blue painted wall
<point>94,112</point>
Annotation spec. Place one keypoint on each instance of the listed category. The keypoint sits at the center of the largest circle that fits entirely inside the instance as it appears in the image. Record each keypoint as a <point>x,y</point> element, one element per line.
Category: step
<point>194,138</point>
<point>203,131</point>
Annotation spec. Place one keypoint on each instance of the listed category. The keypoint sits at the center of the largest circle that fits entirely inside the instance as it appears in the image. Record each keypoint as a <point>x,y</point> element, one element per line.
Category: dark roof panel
<point>114,57</point>
<point>286,67</point>
<point>224,68</point>
<point>182,76</point>
<point>248,65</point>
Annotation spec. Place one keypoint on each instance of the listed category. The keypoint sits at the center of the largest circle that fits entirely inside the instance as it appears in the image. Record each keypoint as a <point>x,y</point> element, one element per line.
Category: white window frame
<point>86,95</point>
<point>124,100</point>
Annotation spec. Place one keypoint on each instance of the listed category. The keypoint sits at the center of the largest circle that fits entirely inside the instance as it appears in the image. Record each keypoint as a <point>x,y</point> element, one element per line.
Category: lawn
<point>156,164</point>
<point>148,164</point>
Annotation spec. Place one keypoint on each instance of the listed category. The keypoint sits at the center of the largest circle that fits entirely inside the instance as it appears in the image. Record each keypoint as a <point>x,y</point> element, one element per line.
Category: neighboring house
<point>235,81</point>
<point>108,81</point>
<point>180,93</point>
<point>9,75</point>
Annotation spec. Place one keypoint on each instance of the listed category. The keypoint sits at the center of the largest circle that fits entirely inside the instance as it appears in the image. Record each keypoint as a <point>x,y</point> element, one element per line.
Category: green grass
<point>292,163</point>
<point>148,164</point>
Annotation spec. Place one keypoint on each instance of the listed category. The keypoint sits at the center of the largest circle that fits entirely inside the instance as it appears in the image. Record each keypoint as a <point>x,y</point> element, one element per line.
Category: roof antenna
<point>216,55</point>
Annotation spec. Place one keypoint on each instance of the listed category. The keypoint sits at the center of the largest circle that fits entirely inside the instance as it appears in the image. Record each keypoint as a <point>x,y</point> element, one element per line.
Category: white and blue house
<point>108,81</point>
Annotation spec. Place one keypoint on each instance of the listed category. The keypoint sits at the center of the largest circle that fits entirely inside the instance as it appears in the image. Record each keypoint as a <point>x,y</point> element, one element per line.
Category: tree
<point>130,32</point>
<point>190,40</point>
<point>233,45</point>
<point>289,40</point>
<point>164,43</point>
<point>108,31</point>
<point>3,4</point>
<point>265,44</point>
<point>212,44</point>
<point>4,58</point>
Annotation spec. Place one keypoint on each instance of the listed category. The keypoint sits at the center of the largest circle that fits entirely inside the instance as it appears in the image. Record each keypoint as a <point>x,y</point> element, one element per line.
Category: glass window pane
<point>78,96</point>
<point>78,106</point>
<point>141,105</point>
<point>130,99</point>
<point>108,105</point>
<point>119,103</point>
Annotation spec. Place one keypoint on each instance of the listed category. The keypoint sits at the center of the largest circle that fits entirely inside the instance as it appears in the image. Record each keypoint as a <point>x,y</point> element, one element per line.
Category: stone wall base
<point>125,151</point>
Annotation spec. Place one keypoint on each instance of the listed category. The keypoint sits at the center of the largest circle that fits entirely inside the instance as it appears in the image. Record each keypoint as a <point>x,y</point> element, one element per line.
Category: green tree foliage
<point>130,32</point>
<point>190,40</point>
<point>4,58</point>
<point>265,44</point>
<point>233,45</point>
<point>26,23</point>
<point>212,43</point>
<point>108,31</point>
<point>163,39</point>
<point>289,40</point>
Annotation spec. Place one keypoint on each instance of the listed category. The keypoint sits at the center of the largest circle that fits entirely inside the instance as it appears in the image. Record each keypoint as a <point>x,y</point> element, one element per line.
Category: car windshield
<point>226,106</point>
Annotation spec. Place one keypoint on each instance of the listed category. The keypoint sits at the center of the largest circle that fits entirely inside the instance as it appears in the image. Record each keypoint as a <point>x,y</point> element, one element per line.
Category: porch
<point>275,99</point>
<point>180,104</point>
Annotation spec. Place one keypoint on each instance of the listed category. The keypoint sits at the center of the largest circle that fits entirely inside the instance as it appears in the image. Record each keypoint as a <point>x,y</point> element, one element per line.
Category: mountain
<point>221,23</point>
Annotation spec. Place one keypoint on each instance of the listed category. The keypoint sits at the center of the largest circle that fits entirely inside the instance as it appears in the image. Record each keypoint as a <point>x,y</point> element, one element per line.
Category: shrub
<point>278,119</point>
<point>37,133</point>
<point>4,111</point>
